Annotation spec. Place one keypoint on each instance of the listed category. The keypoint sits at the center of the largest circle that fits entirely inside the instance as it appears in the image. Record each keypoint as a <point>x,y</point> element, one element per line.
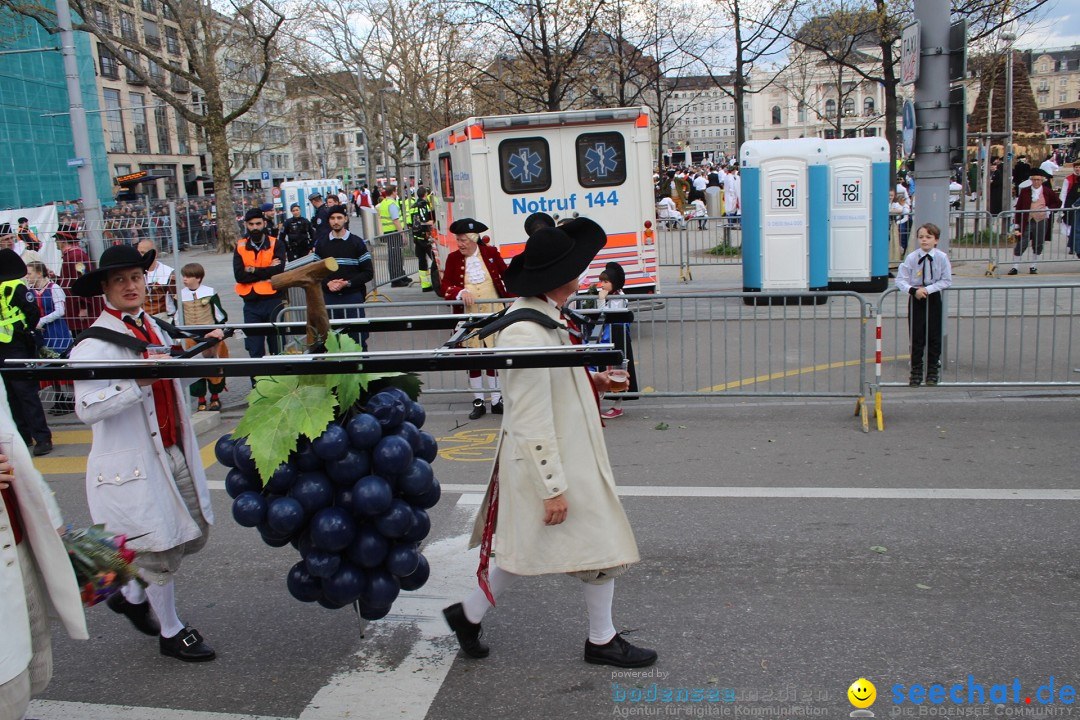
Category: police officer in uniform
<point>298,234</point>
<point>19,314</point>
<point>257,258</point>
<point>346,286</point>
<point>321,221</point>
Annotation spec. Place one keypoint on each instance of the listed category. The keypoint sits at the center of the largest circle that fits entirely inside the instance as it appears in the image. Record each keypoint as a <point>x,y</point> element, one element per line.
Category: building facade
<point>701,116</point>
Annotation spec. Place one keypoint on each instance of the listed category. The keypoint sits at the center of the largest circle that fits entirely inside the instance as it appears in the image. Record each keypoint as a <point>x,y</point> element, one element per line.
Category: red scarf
<point>164,393</point>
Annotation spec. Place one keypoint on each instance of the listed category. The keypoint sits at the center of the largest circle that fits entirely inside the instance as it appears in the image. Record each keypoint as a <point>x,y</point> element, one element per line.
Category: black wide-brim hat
<point>465,226</point>
<point>538,220</point>
<point>616,275</point>
<point>1041,173</point>
<point>12,266</point>
<point>553,257</point>
<point>117,257</point>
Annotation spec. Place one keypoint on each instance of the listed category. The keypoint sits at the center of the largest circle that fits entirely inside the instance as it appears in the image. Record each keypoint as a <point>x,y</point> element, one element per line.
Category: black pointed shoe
<point>478,410</point>
<point>619,653</point>
<point>497,408</point>
<point>468,633</point>
<point>186,645</point>
<point>139,615</point>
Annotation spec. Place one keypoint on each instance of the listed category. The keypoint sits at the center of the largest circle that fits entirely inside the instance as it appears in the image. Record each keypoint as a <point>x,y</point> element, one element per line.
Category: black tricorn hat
<point>538,220</point>
<point>116,257</point>
<point>467,225</point>
<point>616,275</point>
<point>554,256</point>
<point>12,266</point>
<point>1040,172</point>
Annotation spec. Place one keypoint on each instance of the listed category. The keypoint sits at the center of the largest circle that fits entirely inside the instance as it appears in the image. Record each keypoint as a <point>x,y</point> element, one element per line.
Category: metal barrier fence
<point>700,241</point>
<point>394,258</point>
<point>994,336</point>
<point>977,235</point>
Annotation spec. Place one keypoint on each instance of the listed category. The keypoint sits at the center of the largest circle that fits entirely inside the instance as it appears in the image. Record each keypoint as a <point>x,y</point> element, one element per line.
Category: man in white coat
<point>144,476</point>
<point>35,574</point>
<point>733,193</point>
<point>551,505</point>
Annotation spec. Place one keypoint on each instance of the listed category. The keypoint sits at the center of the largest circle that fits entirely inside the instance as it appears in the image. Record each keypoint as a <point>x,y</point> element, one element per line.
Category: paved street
<point>755,523</point>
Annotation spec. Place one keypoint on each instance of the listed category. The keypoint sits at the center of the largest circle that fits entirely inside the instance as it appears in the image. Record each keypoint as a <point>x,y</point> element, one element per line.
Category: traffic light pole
<point>932,170</point>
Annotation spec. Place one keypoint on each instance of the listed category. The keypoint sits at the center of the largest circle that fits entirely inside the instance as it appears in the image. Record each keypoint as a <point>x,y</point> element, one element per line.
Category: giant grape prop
<point>349,489</point>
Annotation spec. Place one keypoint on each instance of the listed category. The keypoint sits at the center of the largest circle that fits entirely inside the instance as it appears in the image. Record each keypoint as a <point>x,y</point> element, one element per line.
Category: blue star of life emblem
<point>525,165</point>
<point>600,159</point>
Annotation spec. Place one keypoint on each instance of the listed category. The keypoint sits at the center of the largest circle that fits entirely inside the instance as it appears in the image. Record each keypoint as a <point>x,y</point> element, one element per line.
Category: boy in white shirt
<point>923,275</point>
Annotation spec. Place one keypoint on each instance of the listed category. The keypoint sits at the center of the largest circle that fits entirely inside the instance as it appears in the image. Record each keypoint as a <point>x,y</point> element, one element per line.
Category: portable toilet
<point>858,214</point>
<point>785,205</point>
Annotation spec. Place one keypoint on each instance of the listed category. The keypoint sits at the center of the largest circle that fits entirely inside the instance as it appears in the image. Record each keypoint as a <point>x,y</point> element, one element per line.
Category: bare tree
<point>225,53</point>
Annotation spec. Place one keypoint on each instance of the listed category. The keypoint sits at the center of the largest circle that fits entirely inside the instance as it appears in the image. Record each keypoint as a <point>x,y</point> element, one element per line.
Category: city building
<point>700,116</point>
<point>36,144</point>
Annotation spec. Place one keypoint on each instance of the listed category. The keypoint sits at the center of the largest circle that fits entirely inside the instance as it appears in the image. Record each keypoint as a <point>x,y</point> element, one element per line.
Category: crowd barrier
<point>699,241</point>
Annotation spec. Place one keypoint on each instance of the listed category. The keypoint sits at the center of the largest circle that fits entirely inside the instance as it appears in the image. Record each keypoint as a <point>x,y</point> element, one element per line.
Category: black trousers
<point>23,397</point>
<point>422,247</point>
<point>261,309</point>
<point>924,320</point>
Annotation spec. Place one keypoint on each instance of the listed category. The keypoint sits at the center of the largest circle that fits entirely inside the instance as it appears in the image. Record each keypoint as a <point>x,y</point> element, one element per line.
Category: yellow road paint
<point>72,437</point>
<point>791,373</point>
<point>469,446</point>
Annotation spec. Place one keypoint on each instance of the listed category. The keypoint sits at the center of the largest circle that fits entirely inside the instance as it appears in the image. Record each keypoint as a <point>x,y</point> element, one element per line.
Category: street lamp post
<point>1006,186</point>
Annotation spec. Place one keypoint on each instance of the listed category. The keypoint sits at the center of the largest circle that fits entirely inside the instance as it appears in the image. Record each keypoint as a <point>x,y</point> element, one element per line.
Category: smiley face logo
<point>862,693</point>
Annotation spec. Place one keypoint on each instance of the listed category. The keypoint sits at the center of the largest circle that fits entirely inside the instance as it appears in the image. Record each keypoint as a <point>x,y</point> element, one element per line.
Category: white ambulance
<point>592,163</point>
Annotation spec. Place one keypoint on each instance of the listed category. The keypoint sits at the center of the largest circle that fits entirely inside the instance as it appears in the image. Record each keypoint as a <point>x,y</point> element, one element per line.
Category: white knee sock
<point>493,385</point>
<point>477,384</point>
<point>598,604</point>
<point>163,601</point>
<point>476,605</point>
<point>133,592</point>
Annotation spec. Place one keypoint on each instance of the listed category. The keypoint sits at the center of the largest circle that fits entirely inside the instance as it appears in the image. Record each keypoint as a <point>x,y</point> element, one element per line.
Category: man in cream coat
<point>552,505</point>
<point>144,476</point>
<point>35,573</point>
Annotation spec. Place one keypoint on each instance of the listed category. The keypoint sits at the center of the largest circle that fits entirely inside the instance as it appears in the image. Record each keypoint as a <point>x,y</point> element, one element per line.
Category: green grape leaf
<point>285,410</point>
<point>347,387</point>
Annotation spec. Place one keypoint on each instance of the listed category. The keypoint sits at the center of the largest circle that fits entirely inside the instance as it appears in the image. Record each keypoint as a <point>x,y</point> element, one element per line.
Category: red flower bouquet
<point>101,561</point>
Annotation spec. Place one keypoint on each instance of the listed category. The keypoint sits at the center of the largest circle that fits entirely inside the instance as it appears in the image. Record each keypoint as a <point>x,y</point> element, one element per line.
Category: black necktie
<point>137,326</point>
<point>927,261</point>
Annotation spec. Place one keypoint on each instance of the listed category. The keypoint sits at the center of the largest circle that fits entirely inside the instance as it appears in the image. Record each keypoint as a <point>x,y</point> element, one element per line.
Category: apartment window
<point>108,64</point>
<point>870,132</point>
<point>150,30</point>
<point>1061,97</point>
<point>132,61</point>
<point>802,112</point>
<point>776,115</point>
<point>166,11</point>
<point>102,17</point>
<point>114,121</point>
<point>156,72</point>
<point>149,6</point>
<point>161,120</point>
<point>127,26</point>
<point>138,123</point>
<point>172,40</point>
<point>849,107</point>
<point>182,135</point>
<point>868,107</point>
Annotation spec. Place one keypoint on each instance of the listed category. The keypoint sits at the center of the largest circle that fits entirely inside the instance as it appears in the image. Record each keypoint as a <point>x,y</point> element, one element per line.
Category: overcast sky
<point>1059,26</point>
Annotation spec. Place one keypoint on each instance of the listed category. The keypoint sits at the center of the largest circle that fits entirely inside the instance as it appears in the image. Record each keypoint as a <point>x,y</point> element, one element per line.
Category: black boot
<point>478,410</point>
<point>468,633</point>
<point>916,376</point>
<point>933,375</point>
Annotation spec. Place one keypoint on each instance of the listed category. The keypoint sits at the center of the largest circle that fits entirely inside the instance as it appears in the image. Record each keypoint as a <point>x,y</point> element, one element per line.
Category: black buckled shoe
<point>43,448</point>
<point>139,615</point>
<point>478,410</point>
<point>187,645</point>
<point>468,633</point>
<point>619,653</point>
<point>497,408</point>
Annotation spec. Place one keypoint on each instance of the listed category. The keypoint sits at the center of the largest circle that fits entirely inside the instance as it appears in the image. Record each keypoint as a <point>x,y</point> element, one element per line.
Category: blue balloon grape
<point>242,459</point>
<point>329,605</point>
<point>313,490</point>
<point>322,564</point>
<point>271,538</point>
<point>332,529</point>
<point>429,499</point>
<point>408,431</point>
<point>420,528</point>
<point>392,455</point>
<point>364,431</point>
<point>380,589</point>
<point>303,543</point>
<point>282,479</point>
<point>396,521</point>
<point>417,479</point>
<point>374,613</point>
<point>416,580</point>
<point>429,447</point>
<point>371,496</point>
<point>344,586</point>
<point>249,508</point>
<point>350,468</point>
<point>223,451</point>
<point>395,391</point>
<point>237,482</point>
<point>303,585</point>
<point>402,560</point>
<point>415,413</point>
<point>285,516</point>
<point>305,458</point>
<point>332,444</point>
<point>388,410</point>
<point>368,549</point>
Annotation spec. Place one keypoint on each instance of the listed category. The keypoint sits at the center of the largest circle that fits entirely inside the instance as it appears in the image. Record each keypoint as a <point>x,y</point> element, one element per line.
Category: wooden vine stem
<point>309,277</point>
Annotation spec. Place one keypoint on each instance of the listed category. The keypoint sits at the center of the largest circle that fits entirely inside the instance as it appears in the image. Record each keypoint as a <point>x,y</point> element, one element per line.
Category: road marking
<point>76,465</point>
<point>475,445</point>
<point>72,437</point>
<point>834,493</point>
<point>792,373</point>
<point>58,710</point>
